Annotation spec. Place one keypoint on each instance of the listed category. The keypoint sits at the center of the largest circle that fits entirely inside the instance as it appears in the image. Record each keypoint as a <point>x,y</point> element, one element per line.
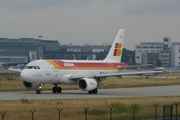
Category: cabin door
<point>48,68</point>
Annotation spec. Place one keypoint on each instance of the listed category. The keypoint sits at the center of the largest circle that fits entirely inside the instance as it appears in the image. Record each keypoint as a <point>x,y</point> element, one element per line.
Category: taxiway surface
<point>102,93</point>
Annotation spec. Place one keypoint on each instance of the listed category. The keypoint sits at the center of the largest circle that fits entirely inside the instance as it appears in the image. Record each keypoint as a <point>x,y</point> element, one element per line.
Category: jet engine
<point>29,85</point>
<point>87,84</point>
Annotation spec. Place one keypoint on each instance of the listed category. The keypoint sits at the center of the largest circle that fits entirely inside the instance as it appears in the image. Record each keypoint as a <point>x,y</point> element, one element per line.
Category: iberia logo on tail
<point>117,49</point>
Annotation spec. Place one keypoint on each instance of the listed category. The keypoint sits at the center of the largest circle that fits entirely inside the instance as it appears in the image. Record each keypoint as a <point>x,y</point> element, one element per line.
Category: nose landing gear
<point>39,91</point>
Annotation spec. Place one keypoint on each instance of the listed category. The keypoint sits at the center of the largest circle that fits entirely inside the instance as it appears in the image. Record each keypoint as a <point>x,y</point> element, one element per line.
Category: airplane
<point>87,74</point>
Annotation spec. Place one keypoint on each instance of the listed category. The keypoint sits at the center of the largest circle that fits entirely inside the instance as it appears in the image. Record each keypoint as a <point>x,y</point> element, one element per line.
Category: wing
<point>119,74</point>
<point>129,73</point>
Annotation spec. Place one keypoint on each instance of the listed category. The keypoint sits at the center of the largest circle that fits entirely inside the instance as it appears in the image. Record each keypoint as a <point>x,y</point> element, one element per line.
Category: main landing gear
<point>95,91</point>
<point>56,89</point>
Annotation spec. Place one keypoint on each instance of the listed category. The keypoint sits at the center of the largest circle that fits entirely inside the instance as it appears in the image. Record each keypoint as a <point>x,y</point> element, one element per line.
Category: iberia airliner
<point>86,74</point>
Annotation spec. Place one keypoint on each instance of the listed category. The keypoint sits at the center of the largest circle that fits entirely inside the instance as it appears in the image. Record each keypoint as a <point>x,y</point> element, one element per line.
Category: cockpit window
<point>38,67</point>
<point>32,67</point>
<point>29,67</point>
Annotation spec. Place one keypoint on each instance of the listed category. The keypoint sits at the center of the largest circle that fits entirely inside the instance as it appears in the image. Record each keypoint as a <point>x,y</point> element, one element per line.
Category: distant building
<point>175,54</point>
<point>23,50</point>
<point>90,51</point>
<point>150,52</point>
<point>50,45</point>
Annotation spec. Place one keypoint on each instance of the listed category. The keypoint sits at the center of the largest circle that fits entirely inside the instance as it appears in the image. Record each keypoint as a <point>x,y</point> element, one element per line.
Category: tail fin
<point>115,53</point>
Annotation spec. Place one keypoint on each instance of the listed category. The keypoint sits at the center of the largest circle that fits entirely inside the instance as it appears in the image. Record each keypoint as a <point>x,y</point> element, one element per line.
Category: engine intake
<point>87,84</point>
<point>29,85</point>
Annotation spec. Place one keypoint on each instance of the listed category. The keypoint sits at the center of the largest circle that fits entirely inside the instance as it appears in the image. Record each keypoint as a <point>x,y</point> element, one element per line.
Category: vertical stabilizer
<point>115,53</point>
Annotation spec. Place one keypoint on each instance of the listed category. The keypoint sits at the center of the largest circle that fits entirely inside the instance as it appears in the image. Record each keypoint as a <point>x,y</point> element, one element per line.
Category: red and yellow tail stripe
<point>117,49</point>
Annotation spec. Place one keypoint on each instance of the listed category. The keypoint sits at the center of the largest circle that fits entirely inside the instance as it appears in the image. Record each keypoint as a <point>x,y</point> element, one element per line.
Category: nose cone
<point>25,76</point>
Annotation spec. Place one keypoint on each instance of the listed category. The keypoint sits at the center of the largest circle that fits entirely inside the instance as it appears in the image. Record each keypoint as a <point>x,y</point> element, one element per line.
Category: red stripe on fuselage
<point>89,64</point>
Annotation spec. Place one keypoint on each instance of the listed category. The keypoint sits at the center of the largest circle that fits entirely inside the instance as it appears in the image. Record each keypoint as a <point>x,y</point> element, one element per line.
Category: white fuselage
<point>59,72</point>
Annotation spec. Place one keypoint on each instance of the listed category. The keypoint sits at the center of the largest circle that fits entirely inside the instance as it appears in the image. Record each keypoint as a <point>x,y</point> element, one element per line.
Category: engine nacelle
<point>29,85</point>
<point>87,84</point>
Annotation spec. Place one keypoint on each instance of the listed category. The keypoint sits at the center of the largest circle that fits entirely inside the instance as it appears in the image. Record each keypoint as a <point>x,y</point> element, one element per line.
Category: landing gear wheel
<point>90,92</point>
<point>39,91</point>
<point>56,89</point>
<point>95,91</point>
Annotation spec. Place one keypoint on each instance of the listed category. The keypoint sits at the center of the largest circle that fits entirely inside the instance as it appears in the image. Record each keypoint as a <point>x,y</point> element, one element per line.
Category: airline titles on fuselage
<point>68,64</point>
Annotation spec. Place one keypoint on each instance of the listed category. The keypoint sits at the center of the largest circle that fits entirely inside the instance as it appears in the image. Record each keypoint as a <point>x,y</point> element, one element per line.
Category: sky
<point>94,22</point>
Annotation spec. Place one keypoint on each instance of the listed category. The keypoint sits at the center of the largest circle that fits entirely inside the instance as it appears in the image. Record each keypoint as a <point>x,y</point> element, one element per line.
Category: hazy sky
<point>91,21</point>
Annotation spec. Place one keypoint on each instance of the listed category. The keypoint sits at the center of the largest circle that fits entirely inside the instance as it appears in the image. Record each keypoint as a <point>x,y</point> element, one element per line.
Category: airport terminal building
<point>84,52</point>
<point>24,50</point>
<point>150,52</point>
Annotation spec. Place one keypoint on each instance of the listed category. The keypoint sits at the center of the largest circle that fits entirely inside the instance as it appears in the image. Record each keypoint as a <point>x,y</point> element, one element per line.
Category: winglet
<point>115,53</point>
